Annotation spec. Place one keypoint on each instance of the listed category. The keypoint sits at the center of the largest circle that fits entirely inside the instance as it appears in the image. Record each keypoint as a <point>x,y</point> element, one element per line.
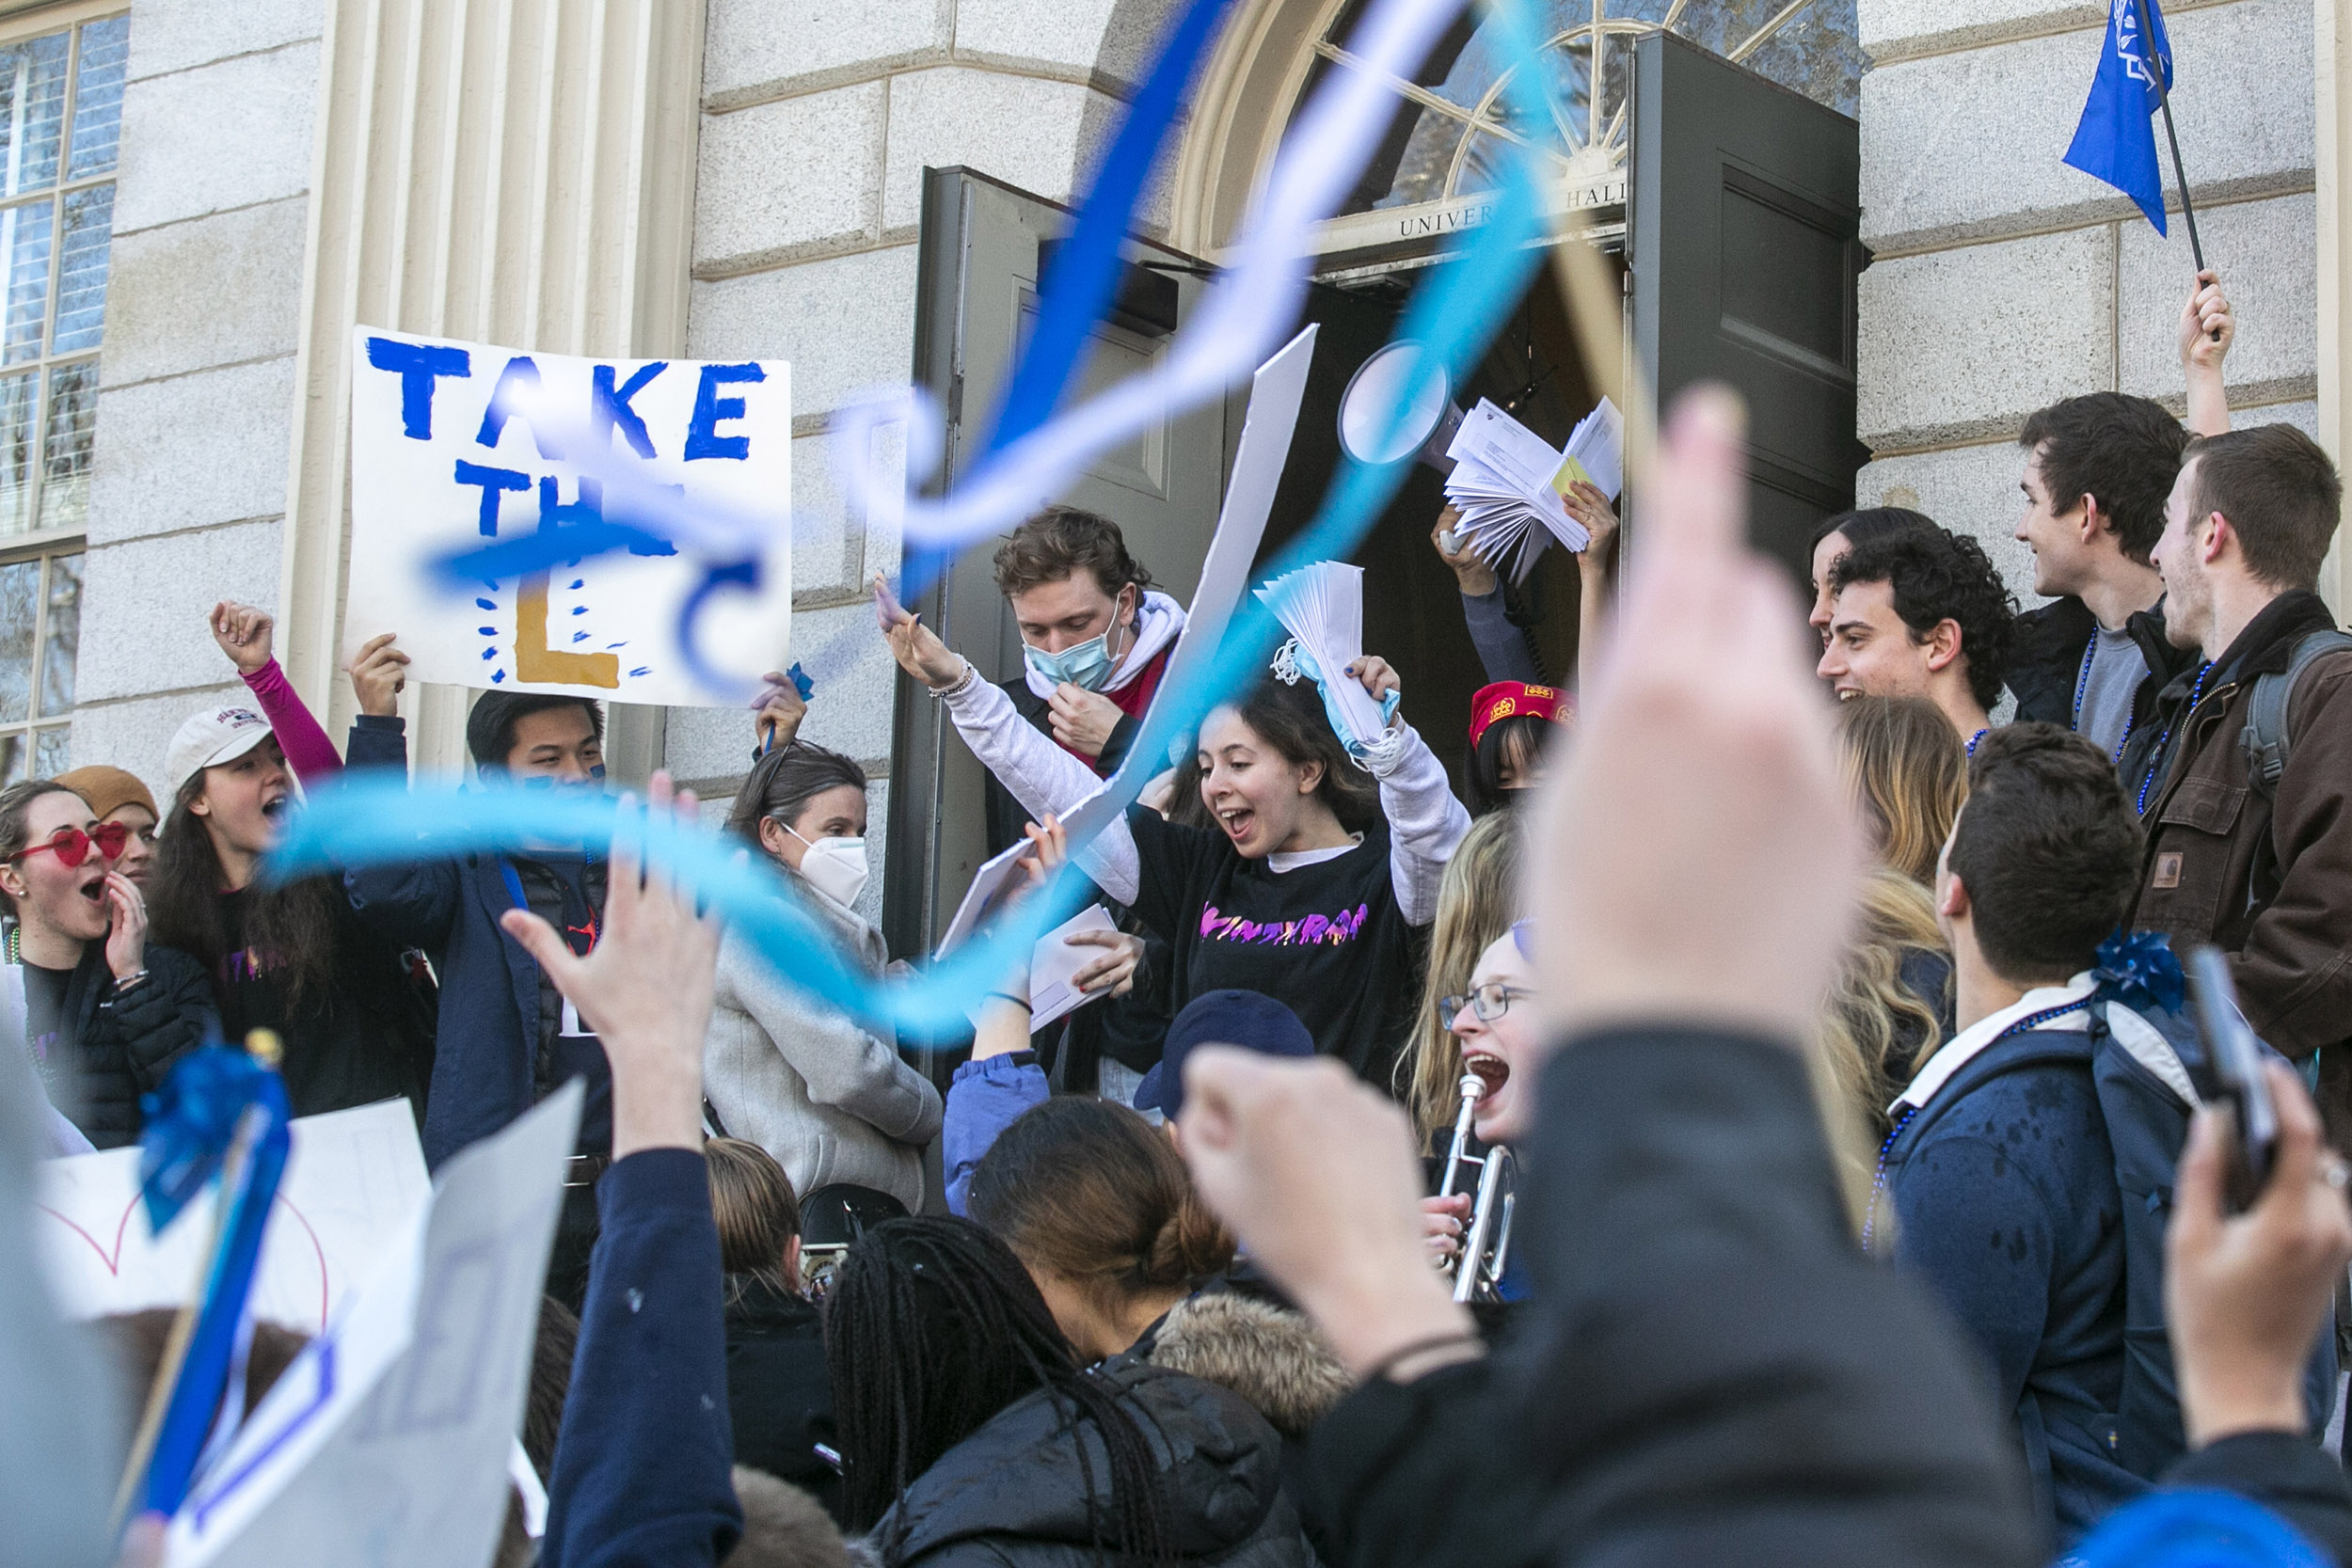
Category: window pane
<point>18,400</point>
<point>32,112</point>
<point>98,95</point>
<point>65,456</point>
<point>19,595</point>
<point>64,633</point>
<point>12,755</point>
<point>82,269</point>
<point>52,750</point>
<point>25,257</point>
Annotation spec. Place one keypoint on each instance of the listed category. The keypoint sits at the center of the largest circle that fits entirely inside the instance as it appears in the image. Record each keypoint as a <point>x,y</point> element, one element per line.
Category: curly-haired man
<point>1921,613</point>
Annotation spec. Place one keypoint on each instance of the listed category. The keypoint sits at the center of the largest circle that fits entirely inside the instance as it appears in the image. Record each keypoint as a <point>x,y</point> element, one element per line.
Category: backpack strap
<point>2266,737</point>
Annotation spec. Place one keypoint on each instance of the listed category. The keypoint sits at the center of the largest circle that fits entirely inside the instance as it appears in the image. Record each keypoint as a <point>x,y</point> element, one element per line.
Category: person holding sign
<point>1318,877</point>
<point>507,1038</point>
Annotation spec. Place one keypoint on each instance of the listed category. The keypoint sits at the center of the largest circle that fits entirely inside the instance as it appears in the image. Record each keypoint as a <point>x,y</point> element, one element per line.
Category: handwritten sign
<point>353,1183</point>
<point>455,445</point>
<point>385,1442</point>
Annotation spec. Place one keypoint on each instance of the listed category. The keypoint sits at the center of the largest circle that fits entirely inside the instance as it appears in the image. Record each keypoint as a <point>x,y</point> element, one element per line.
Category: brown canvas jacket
<point>2270,883</point>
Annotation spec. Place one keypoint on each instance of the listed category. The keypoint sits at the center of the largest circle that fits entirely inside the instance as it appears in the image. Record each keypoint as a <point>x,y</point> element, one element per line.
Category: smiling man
<point>1921,613</point>
<point>2241,771</point>
<point>2097,470</point>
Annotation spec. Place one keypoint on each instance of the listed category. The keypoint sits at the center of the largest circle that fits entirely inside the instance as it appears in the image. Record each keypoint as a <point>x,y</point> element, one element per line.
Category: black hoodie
<point>1015,1492</point>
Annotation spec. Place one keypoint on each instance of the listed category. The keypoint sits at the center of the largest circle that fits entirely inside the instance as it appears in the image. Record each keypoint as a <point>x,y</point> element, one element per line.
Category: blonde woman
<point>1909,774</point>
<point>1477,900</point>
<point>1888,1010</point>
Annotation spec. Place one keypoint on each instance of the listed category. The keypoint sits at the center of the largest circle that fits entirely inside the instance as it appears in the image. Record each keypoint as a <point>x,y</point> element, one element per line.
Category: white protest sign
<point>456,445</point>
<point>385,1443</point>
<point>353,1181</point>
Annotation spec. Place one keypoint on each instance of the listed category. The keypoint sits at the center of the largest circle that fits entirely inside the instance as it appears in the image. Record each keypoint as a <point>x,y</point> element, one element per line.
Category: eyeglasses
<point>1489,1002</point>
<point>72,846</point>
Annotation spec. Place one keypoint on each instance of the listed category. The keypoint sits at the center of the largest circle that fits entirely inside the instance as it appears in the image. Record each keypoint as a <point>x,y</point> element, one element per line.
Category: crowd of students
<point>1869,1201</point>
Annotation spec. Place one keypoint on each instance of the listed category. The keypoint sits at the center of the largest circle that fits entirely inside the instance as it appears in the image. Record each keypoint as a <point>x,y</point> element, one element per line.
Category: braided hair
<point>932,1327</point>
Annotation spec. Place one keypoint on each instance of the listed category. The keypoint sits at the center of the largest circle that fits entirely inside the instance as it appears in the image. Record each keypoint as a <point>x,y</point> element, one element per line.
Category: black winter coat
<point>1014,1493</point>
<point>121,1044</point>
<point>779,1392</point>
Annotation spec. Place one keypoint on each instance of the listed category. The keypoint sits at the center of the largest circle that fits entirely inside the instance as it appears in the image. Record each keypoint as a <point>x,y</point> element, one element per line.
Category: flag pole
<point>2164,101</point>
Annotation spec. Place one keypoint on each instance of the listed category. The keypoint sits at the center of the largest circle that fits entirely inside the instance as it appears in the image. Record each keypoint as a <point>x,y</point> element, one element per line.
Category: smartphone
<point>2236,1059</point>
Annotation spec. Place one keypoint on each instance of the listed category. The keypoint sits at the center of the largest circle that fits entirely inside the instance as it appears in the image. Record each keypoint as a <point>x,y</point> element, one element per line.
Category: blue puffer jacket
<point>489,1016</point>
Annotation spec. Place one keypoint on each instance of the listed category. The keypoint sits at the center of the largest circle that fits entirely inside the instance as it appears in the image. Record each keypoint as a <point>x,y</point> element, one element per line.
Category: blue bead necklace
<point>1902,1118</point>
<point>2155,760</point>
<point>2082,686</point>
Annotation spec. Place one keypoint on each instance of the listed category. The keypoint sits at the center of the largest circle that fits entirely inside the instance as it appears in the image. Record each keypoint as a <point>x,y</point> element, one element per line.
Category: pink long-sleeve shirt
<point>308,753</point>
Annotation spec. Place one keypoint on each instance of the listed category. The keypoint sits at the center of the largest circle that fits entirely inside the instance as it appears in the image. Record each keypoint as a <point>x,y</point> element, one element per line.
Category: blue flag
<point>2115,141</point>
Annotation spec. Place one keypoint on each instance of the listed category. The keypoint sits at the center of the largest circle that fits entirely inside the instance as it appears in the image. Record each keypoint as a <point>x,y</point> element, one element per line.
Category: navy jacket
<point>2004,1189</point>
<point>643,1459</point>
<point>489,1022</point>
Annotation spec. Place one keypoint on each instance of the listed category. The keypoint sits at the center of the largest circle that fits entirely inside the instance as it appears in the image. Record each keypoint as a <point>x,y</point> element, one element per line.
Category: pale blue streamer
<point>365,822</point>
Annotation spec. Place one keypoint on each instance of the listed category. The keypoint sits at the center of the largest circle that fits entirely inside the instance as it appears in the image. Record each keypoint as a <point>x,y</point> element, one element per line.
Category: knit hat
<point>1238,1018</point>
<point>216,736</point>
<point>108,790</point>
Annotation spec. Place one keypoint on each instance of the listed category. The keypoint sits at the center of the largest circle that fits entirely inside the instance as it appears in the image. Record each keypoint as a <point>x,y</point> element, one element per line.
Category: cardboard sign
<point>352,1182</point>
<point>455,445</point>
<point>386,1441</point>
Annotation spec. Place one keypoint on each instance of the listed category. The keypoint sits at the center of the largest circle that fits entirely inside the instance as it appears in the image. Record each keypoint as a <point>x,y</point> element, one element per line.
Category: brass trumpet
<point>1477,1268</point>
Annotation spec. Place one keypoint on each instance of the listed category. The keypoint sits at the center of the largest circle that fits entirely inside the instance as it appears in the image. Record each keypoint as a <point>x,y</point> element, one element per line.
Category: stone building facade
<point>745,179</point>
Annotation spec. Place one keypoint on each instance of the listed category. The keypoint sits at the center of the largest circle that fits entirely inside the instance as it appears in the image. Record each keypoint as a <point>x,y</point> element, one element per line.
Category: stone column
<point>2331,93</point>
<point>513,171</point>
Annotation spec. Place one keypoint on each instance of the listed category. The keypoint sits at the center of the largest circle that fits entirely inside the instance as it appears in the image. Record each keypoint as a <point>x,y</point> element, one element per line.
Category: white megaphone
<point>1392,411</point>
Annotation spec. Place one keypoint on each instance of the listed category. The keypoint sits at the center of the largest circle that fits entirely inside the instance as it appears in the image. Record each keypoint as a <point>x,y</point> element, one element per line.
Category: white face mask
<point>834,867</point>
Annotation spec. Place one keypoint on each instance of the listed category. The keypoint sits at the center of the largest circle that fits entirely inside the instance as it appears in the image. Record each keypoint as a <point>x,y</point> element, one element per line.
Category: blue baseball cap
<point>1248,1020</point>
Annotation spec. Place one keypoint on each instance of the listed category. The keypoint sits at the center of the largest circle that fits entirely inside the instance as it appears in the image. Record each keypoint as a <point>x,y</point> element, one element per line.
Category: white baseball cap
<point>209,738</point>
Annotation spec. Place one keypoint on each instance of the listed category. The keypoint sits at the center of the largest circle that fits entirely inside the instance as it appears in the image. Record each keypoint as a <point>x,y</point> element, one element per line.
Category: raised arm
<point>1046,780</point>
<point>1426,822</point>
<point>641,1457</point>
<point>244,634</point>
<point>2207,329</point>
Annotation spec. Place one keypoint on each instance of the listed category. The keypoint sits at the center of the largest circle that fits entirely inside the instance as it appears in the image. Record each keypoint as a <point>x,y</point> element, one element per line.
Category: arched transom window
<point>1456,117</point>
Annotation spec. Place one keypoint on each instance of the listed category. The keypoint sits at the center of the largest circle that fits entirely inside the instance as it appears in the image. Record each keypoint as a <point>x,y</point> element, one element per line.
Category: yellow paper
<point>1571,473</point>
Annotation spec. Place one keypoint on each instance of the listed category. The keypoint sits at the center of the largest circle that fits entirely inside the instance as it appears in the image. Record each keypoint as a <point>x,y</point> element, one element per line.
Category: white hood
<point>1156,627</point>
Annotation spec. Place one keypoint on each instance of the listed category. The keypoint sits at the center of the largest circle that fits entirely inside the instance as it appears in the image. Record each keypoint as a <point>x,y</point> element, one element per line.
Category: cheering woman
<point>1316,884</point>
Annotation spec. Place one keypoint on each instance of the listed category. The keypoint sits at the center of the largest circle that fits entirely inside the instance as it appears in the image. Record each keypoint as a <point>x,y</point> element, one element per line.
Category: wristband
<point>956,688</point>
<point>123,985</point>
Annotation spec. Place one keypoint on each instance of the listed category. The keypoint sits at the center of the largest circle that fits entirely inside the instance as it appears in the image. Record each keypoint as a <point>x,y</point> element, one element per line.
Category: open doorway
<point>1412,605</point>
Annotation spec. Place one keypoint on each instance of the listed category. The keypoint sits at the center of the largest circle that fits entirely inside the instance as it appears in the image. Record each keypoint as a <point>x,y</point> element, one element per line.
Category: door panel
<point>1743,220</point>
<point>983,248</point>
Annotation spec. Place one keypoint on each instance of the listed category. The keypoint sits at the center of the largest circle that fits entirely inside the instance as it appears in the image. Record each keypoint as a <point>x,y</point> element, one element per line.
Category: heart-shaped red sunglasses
<point>72,846</point>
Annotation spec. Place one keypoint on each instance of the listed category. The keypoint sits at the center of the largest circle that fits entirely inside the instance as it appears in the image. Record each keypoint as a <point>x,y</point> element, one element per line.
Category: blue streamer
<point>189,1415</point>
<point>1453,315</point>
<point>1080,285</point>
<point>189,1121</point>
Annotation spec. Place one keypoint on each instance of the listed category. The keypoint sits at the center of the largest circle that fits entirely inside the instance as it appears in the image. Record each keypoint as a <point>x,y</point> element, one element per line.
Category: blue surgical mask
<point>1088,665</point>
